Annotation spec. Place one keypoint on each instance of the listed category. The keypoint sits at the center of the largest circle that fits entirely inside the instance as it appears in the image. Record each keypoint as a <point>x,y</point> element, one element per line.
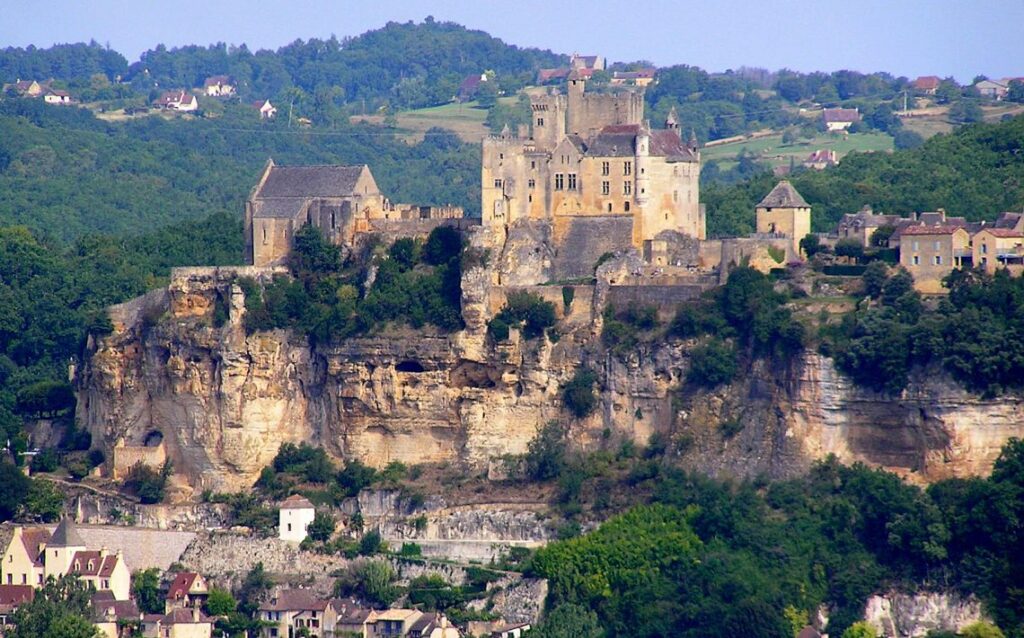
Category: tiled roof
<point>181,586</point>
<point>1003,232</point>
<point>783,196</point>
<point>66,535</point>
<point>294,600</point>
<point>35,540</point>
<point>545,75</point>
<point>14,595</point>
<point>311,181</point>
<point>634,75</point>
<point>927,82</point>
<point>295,502</point>
<point>922,229</point>
<point>581,74</point>
<point>214,80</point>
<point>89,563</point>
<point>182,616</point>
<point>841,115</point>
<point>666,143</point>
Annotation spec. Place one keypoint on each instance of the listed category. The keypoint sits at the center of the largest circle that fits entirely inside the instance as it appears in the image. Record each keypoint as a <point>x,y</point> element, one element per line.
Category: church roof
<point>311,181</point>
<point>296,502</point>
<point>284,208</point>
<point>783,196</point>
<point>619,140</point>
<point>66,535</point>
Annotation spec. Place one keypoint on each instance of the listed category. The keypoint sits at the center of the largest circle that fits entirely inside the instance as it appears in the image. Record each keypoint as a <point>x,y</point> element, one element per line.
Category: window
<point>106,584</point>
<point>10,579</point>
<point>917,246</point>
<point>289,527</point>
<point>627,168</point>
<point>497,183</point>
<point>24,579</point>
<point>605,168</point>
<point>333,220</point>
<point>609,207</point>
<point>937,246</point>
<point>917,260</point>
<point>533,165</point>
<point>540,121</point>
<point>572,181</point>
<point>606,188</point>
<point>39,579</point>
<point>559,181</point>
<point>675,196</point>
<point>984,249</point>
<point>627,207</point>
<point>532,183</point>
<point>938,260</point>
<point>627,188</point>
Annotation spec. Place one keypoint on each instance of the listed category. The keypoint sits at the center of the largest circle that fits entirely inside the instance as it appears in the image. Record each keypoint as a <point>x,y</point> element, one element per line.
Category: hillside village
<point>247,470</point>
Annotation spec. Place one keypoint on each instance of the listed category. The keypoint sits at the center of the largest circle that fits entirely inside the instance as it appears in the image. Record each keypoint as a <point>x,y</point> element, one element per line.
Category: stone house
<point>927,84</point>
<point>187,590</point>
<point>994,248</point>
<point>591,62</point>
<point>992,89</point>
<point>863,224</point>
<point>115,618</point>
<point>517,630</point>
<point>219,86</point>
<point>590,166</point>
<point>836,120</point>
<point>33,555</point>
<point>29,88</point>
<point>640,77</point>
<point>11,597</point>
<point>821,159</point>
<point>178,623</point>
<point>294,517</point>
<point>57,96</point>
<point>291,610</point>
<point>930,253</point>
<point>784,213</point>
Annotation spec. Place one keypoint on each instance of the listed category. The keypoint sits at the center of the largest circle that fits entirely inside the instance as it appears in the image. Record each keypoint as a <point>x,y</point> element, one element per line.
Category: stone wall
<point>580,241</point>
<point>125,457</point>
<point>899,615</point>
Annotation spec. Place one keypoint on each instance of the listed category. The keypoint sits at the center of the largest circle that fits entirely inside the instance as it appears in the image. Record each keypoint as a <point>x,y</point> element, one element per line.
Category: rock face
<point>224,401</point>
<point>912,615</point>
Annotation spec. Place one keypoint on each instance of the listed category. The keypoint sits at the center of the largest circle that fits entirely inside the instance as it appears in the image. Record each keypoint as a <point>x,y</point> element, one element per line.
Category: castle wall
<point>127,456</point>
<point>271,240</point>
<point>794,223</point>
<point>673,198</point>
<point>580,241</point>
<point>666,298</point>
<point>590,112</point>
<point>579,310</point>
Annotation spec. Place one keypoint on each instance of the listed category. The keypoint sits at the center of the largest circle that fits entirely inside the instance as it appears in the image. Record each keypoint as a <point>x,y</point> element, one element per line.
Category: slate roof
<point>101,566</point>
<point>287,208</point>
<point>311,181</point>
<point>783,196</point>
<point>182,616</point>
<point>614,141</point>
<point>1008,220</point>
<point>294,600</point>
<point>666,143</point>
<point>296,502</point>
<point>841,115</point>
<point>634,75</point>
<point>104,607</point>
<point>66,535</point>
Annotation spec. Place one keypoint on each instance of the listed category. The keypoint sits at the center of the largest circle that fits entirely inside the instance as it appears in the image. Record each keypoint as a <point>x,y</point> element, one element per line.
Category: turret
<point>672,121</point>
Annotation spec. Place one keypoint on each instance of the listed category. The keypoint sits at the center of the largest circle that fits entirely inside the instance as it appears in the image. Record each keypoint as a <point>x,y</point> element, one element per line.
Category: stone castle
<point>593,156</point>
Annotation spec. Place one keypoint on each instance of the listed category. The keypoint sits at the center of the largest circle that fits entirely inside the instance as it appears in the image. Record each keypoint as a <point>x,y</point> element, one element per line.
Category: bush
<point>545,455</point>
<point>371,543</point>
<point>579,394</point>
<point>410,550</point>
<point>527,309</point>
<point>321,528</point>
<point>712,364</point>
<point>146,483</point>
<point>45,398</point>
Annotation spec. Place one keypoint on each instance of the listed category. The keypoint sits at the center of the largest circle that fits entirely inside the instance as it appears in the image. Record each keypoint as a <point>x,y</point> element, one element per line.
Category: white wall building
<point>294,517</point>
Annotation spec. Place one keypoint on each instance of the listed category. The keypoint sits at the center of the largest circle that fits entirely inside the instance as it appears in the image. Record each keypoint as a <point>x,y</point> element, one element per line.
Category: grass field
<point>465,119</point>
<point>771,150</point>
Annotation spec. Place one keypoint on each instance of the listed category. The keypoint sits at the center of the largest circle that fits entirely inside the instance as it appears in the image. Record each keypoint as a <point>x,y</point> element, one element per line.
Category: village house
<point>115,618</point>
<point>291,610</point>
<point>821,159</point>
<point>862,225</point>
<point>178,623</point>
<point>181,101</point>
<point>590,62</point>
<point>187,590</point>
<point>11,597</point>
<point>516,630</point>
<point>837,120</point>
<point>219,86</point>
<point>639,77</point>
<point>267,110</point>
<point>927,84</point>
<point>470,85</point>
<point>992,89</point>
<point>57,96</point>
<point>930,253</point>
<point>33,555</point>
<point>995,248</point>
<point>29,88</point>
<point>294,517</point>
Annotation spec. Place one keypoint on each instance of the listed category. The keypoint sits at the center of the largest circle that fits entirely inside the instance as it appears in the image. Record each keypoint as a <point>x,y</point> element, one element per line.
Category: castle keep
<point>592,157</point>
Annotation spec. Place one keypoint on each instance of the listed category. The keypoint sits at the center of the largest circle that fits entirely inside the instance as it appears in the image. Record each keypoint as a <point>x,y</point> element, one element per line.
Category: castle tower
<point>61,549</point>
<point>672,121</point>
<point>784,212</point>
<point>548,120</point>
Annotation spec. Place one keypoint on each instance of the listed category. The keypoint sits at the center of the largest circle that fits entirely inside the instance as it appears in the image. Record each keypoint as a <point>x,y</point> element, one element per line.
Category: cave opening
<point>410,366</point>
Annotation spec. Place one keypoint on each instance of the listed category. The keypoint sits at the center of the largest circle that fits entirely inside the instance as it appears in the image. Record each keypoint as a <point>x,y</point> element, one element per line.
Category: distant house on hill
<point>266,109</point>
<point>469,86</point>
<point>295,515</point>
<point>181,101</point>
<point>839,119</point>
<point>188,589</point>
<point>640,77</point>
<point>931,252</point>
<point>57,96</point>
<point>28,88</point>
<point>593,62</point>
<point>219,86</point>
<point>549,76</point>
<point>927,84</point>
<point>992,89</point>
<point>821,159</point>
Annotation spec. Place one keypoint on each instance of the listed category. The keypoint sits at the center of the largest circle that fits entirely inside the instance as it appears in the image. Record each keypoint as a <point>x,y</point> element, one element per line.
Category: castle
<point>593,156</point>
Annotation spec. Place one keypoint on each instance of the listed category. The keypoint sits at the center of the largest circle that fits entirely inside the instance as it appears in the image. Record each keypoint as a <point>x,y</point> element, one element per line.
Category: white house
<point>294,517</point>
<point>57,96</point>
<point>840,119</point>
<point>219,86</point>
<point>178,101</point>
<point>266,109</point>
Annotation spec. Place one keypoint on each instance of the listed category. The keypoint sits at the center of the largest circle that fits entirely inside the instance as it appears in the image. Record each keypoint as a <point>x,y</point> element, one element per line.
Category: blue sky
<point>905,37</point>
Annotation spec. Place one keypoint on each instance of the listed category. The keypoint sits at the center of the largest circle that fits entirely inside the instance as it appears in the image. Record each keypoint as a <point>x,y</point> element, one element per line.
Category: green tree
<point>60,609</point>
<point>811,245</point>
<point>1016,91</point>
<point>981,629</point>
<point>44,502</point>
<point>321,528</point>
<point>712,364</point>
<point>569,621</point>
<point>579,394</point>
<point>146,591</point>
<point>220,602</point>
<point>860,630</point>
<point>546,452</point>
<point>371,543</point>
<point>14,489</point>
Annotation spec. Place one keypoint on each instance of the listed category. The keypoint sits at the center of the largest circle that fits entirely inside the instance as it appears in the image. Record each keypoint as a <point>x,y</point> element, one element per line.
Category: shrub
<point>146,483</point>
<point>321,528</point>
<point>712,364</point>
<point>527,309</point>
<point>579,394</point>
<point>355,476</point>
<point>410,549</point>
<point>370,543</point>
<point>568,294</point>
<point>545,455</point>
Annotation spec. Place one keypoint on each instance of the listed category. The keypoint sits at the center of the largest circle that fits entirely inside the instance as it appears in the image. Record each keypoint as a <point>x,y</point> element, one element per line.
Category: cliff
<point>223,401</point>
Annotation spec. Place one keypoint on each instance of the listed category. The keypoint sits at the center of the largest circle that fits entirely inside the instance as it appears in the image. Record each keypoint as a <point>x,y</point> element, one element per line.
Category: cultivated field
<point>771,150</point>
<point>465,119</point>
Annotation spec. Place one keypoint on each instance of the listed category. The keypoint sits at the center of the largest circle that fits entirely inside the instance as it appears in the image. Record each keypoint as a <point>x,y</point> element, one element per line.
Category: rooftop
<point>66,535</point>
<point>922,229</point>
<point>784,195</point>
<point>311,181</point>
<point>296,502</point>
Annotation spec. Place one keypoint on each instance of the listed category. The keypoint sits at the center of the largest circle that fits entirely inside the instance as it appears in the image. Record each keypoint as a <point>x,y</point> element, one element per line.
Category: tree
<point>712,364</point>
<point>14,488</point>
<point>59,610</point>
<point>981,629</point>
<point>875,276</point>
<point>579,394</point>
<point>147,483</point>
<point>569,621</point>
<point>966,112</point>
<point>905,139</point>
<point>811,245</point>
<point>545,453</point>
<point>860,630</point>
<point>1016,91</point>
<point>370,543</point>
<point>849,248</point>
<point>321,528</point>
<point>220,602</point>
<point>43,501</point>
<point>146,590</point>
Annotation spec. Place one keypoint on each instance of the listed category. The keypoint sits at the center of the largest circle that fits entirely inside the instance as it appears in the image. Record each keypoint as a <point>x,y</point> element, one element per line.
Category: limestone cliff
<point>224,401</point>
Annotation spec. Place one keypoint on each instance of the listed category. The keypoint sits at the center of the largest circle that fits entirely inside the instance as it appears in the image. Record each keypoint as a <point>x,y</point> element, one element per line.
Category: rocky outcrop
<point>898,615</point>
<point>224,401</point>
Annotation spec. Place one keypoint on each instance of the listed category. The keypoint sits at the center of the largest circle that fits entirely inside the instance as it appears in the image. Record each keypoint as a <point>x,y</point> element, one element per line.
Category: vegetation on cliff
<point>710,557</point>
<point>414,282</point>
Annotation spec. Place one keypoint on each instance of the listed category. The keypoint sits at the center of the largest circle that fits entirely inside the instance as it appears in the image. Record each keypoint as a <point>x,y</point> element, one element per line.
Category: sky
<point>962,38</point>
